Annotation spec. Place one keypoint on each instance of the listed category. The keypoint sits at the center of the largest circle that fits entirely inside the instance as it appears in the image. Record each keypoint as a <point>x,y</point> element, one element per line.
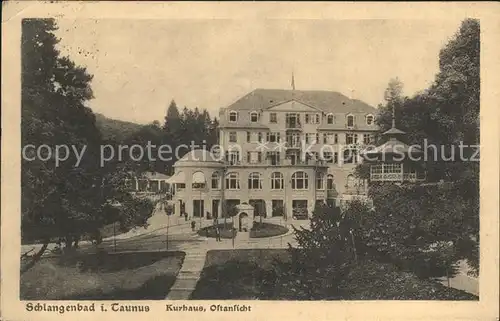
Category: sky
<point>139,66</point>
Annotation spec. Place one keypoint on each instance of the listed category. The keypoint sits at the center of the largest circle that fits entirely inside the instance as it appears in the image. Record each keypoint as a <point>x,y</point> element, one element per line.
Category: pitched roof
<point>327,101</point>
<point>199,155</point>
<point>155,175</point>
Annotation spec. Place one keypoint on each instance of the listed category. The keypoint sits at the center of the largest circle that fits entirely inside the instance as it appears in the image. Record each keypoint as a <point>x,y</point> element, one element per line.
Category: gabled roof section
<point>327,101</point>
<point>293,104</point>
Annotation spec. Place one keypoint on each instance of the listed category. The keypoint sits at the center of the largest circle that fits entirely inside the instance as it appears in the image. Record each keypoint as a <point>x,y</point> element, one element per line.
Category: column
<point>269,209</point>
<point>177,205</point>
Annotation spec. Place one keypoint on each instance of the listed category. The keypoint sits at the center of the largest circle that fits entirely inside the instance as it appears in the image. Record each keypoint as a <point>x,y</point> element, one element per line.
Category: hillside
<point>113,129</point>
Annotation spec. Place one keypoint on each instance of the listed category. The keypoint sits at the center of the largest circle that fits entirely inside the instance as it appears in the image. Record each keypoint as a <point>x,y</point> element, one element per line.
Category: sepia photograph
<point>234,161</point>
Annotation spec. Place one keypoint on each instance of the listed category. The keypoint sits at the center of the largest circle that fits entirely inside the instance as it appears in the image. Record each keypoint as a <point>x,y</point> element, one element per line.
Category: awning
<point>199,178</point>
<point>177,178</point>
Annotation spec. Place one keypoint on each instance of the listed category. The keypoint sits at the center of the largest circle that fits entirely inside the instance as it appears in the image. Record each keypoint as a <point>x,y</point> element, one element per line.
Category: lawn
<point>235,274</point>
<point>260,230</point>
<point>226,231</point>
<point>102,276</point>
<point>247,275</point>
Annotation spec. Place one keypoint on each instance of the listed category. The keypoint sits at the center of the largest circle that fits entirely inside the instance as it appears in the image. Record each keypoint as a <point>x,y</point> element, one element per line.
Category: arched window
<point>277,180</point>
<point>254,117</point>
<point>232,181</point>
<point>369,120</point>
<point>320,178</point>
<point>254,181</point>
<point>215,181</point>
<point>350,120</point>
<point>330,119</point>
<point>300,180</point>
<point>198,180</point>
<point>233,116</point>
<point>351,181</point>
<point>329,182</point>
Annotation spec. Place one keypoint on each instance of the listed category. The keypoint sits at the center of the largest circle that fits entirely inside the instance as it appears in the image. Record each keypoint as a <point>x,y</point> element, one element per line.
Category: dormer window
<point>330,119</point>
<point>233,116</point>
<point>254,117</point>
<point>369,120</point>
<point>350,121</point>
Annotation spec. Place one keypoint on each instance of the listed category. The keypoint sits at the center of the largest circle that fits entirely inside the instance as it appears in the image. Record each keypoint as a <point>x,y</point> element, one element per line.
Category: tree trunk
<point>35,257</point>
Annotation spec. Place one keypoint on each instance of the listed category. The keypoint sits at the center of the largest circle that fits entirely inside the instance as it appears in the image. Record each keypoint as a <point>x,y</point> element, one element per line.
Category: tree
<point>321,259</point>
<point>447,115</point>
<point>56,200</point>
<point>63,201</point>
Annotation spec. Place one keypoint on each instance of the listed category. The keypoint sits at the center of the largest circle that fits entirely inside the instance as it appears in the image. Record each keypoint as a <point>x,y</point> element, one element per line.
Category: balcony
<point>293,144</point>
<point>293,125</point>
<point>306,162</point>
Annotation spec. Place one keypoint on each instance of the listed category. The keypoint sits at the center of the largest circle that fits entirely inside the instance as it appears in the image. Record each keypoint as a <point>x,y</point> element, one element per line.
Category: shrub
<point>226,231</point>
<point>320,261</point>
<point>266,230</point>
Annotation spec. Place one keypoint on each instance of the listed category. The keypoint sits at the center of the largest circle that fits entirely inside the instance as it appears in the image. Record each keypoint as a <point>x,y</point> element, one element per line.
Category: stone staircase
<point>188,275</point>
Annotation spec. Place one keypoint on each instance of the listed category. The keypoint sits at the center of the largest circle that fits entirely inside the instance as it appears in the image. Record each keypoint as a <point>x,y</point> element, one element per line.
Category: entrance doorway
<point>198,208</point>
<point>243,220</point>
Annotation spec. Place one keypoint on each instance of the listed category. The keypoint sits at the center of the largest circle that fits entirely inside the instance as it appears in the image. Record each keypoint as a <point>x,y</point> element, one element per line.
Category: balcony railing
<point>293,144</point>
<point>396,177</point>
<point>293,125</point>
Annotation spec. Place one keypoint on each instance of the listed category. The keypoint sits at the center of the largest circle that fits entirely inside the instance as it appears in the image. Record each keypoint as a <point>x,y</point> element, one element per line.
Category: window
<point>277,180</point>
<point>336,138</point>
<point>350,156</point>
<point>350,121</point>
<point>292,120</point>
<point>274,157</point>
<point>215,181</point>
<point>328,157</point>
<point>232,137</point>
<point>259,137</point>
<point>248,137</point>
<point>273,118</point>
<point>369,120</point>
<point>233,157</point>
<point>233,116</point>
<point>329,182</point>
<point>254,157</point>
<point>312,138</point>
<point>273,137</point>
<point>254,117</point>
<point>293,140</point>
<point>368,139</point>
<point>319,181</point>
<point>312,118</point>
<point>330,119</point>
<point>300,180</point>
<point>232,181</point>
<point>351,139</point>
<point>198,180</point>
<point>278,208</point>
<point>254,181</point>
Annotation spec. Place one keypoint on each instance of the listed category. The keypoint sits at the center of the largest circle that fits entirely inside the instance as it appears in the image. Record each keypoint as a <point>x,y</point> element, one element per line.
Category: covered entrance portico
<point>243,221</point>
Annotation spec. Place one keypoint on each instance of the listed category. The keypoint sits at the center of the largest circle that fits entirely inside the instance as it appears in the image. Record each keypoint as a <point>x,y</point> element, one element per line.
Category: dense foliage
<point>322,258</point>
<point>446,115</point>
<point>64,200</point>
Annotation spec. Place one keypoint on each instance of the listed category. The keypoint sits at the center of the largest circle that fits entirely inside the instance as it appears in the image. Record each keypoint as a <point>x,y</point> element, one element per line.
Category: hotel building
<point>281,151</point>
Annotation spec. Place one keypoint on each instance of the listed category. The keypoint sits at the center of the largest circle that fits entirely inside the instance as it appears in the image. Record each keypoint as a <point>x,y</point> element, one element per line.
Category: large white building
<point>281,151</point>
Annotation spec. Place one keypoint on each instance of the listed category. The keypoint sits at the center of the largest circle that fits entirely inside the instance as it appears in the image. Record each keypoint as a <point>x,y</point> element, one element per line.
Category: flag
<point>293,82</point>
